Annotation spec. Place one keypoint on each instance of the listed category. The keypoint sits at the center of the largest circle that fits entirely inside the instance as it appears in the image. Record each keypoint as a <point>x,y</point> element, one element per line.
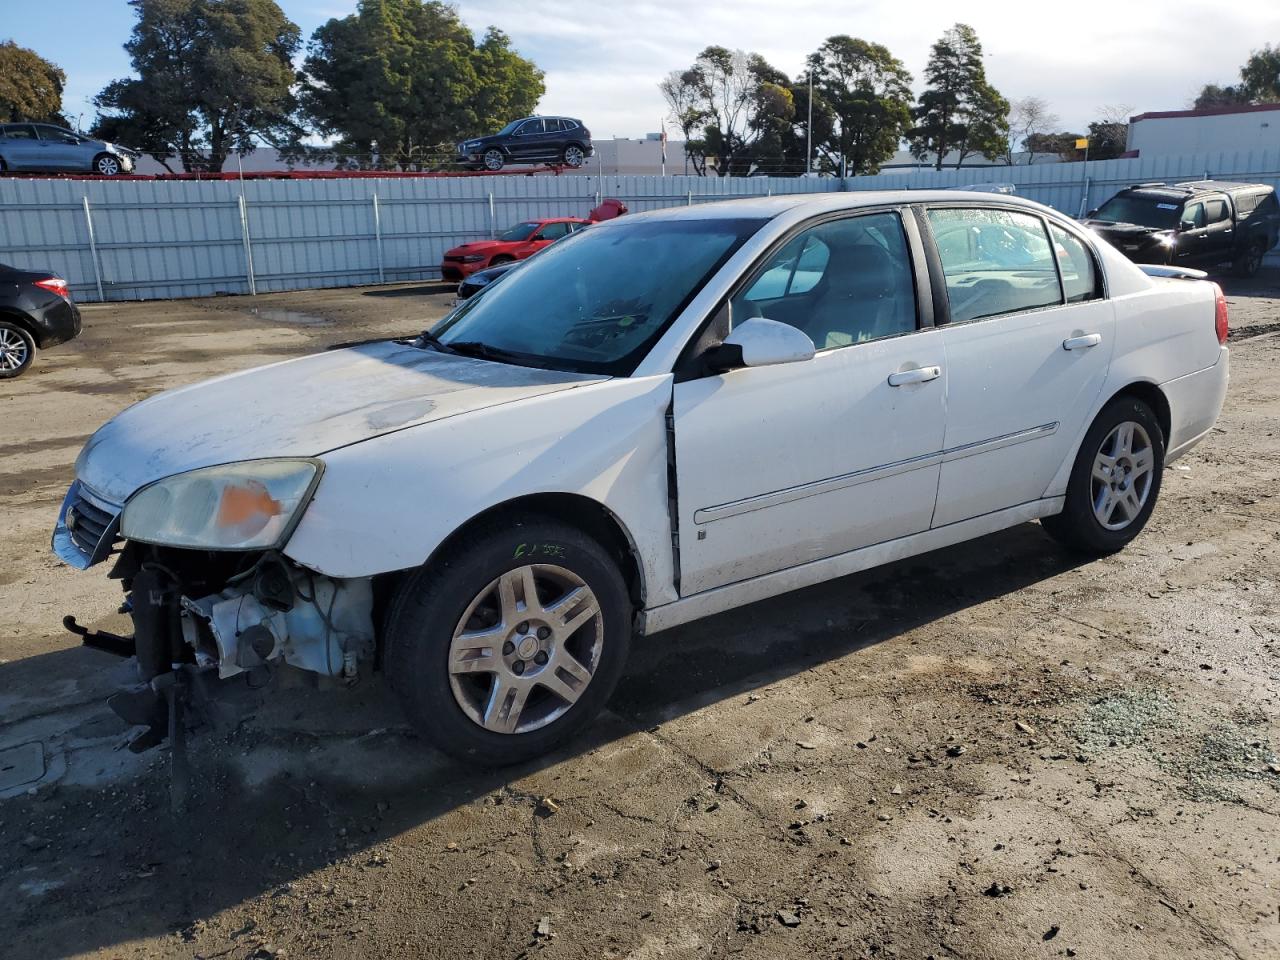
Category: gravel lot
<point>993,751</point>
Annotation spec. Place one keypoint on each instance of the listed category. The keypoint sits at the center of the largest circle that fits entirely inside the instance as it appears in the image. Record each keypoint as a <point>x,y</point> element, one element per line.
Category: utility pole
<point>808,152</point>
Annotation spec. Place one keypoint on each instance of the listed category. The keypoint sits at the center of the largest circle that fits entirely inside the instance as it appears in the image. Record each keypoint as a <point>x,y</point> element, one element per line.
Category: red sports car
<point>522,240</point>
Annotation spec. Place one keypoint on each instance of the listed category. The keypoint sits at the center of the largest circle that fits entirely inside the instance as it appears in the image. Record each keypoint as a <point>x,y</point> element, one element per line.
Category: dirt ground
<point>993,751</point>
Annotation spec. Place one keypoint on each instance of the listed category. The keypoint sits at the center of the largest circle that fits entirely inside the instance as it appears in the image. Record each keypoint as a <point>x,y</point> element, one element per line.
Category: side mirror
<point>1091,214</point>
<point>757,342</point>
<point>1185,225</point>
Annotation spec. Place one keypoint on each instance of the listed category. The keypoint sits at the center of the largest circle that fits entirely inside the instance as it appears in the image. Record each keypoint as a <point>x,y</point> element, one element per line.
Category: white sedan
<point>661,418</point>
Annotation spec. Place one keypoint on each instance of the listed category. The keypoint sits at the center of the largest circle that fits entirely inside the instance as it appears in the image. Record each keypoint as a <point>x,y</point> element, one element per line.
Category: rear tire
<point>1249,260</point>
<point>459,628</point>
<point>574,156</point>
<point>1114,482</point>
<point>17,350</point>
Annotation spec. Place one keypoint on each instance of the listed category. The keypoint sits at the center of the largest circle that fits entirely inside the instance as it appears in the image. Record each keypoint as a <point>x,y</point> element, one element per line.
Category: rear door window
<point>994,262</point>
<point>20,131</point>
<point>1079,273</point>
<point>1216,211</point>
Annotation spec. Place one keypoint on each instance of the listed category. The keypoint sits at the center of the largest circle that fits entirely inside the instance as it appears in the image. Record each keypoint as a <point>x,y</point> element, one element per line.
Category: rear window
<point>1143,210</point>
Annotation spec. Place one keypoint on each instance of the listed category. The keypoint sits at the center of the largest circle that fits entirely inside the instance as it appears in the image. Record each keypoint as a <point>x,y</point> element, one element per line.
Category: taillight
<point>54,285</point>
<point>1220,323</point>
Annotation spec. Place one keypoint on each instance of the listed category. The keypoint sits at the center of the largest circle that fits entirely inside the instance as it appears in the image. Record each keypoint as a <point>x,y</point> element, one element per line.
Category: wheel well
<point>587,515</point>
<point>21,320</point>
<point>1153,397</point>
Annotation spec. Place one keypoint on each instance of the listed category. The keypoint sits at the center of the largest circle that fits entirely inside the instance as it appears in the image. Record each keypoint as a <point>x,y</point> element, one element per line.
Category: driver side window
<point>842,283</point>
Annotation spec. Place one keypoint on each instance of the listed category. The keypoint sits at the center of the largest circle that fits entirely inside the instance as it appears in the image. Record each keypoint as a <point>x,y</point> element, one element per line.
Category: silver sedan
<point>45,148</point>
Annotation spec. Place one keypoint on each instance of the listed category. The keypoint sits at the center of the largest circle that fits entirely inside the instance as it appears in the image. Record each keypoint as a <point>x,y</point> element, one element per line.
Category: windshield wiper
<point>429,339</point>
<point>482,351</point>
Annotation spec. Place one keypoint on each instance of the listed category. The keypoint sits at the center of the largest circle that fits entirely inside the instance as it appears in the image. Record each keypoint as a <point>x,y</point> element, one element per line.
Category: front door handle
<point>1082,343</point>
<point>918,375</point>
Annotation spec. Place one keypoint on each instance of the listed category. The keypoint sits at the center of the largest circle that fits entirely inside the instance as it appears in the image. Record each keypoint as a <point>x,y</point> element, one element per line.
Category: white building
<point>1255,127</point>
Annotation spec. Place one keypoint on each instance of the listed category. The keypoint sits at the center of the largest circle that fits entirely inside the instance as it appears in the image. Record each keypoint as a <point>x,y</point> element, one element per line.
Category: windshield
<point>521,231</point>
<point>596,301</point>
<point>509,128</point>
<point>1157,212</point>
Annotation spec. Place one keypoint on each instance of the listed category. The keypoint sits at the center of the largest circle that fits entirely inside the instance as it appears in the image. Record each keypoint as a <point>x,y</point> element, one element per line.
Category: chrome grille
<point>88,528</point>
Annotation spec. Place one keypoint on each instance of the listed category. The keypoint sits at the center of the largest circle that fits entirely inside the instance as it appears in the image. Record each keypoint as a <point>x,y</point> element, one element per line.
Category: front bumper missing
<point>283,613</point>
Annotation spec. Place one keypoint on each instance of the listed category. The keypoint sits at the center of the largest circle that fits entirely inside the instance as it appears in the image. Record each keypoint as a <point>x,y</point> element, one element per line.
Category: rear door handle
<point>918,375</point>
<point>1082,343</point>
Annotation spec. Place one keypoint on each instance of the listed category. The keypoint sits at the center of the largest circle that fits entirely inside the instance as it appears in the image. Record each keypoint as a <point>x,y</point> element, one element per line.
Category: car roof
<point>1191,188</point>
<point>766,208</point>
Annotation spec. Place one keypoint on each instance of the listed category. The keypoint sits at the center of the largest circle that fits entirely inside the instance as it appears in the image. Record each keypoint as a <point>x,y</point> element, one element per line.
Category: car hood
<point>479,246</point>
<point>299,408</point>
<point>1122,231</point>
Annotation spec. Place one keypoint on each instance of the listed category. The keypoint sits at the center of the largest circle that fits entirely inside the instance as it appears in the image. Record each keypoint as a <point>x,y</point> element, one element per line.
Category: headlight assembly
<point>252,505</point>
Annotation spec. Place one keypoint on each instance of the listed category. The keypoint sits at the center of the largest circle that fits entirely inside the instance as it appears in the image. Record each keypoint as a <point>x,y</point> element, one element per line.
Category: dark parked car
<point>1196,224</point>
<point>483,278</point>
<point>36,312</point>
<point>44,148</point>
<point>530,140</point>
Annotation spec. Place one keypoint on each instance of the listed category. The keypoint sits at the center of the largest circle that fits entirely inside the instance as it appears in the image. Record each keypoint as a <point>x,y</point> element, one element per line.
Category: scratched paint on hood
<point>299,408</point>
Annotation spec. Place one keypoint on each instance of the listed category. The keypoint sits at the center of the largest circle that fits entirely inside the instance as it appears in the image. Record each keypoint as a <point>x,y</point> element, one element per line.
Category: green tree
<point>213,76</point>
<point>1260,76</point>
<point>730,106</point>
<point>959,110</point>
<point>404,80</point>
<point>1259,83</point>
<point>1107,140</point>
<point>30,86</point>
<point>867,92</point>
<point>1061,145</point>
<point>1212,96</point>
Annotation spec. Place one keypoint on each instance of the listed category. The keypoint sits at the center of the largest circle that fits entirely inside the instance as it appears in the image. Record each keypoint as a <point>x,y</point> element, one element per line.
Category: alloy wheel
<point>14,351</point>
<point>108,166</point>
<point>493,159</point>
<point>574,156</point>
<point>1122,473</point>
<point>526,648</point>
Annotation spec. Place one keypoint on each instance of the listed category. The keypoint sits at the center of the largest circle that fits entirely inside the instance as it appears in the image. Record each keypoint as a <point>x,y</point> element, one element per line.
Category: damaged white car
<point>658,419</point>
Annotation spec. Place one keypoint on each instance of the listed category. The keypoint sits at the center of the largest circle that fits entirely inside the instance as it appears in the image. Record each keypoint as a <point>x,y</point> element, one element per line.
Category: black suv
<point>530,140</point>
<point>1198,224</point>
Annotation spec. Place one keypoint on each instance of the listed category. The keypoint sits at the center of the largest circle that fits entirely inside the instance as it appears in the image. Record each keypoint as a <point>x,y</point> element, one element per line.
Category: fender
<point>388,503</point>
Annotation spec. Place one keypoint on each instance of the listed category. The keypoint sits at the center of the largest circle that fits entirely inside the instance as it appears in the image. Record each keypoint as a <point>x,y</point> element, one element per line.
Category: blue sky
<point>603,60</point>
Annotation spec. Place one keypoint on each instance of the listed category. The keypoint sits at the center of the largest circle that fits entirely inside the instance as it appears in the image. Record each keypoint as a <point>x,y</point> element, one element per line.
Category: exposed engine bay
<point>202,616</point>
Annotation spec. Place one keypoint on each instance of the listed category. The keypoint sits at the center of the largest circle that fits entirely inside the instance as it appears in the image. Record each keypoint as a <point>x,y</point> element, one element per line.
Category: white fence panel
<point>186,238</point>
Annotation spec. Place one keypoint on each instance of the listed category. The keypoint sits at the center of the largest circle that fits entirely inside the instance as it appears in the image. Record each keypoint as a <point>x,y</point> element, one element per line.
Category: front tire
<point>510,644</point>
<point>494,160</point>
<point>1115,480</point>
<point>106,165</point>
<point>17,350</point>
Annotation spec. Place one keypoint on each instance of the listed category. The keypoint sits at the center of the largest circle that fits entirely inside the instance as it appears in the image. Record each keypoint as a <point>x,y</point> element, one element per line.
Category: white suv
<point>660,418</point>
